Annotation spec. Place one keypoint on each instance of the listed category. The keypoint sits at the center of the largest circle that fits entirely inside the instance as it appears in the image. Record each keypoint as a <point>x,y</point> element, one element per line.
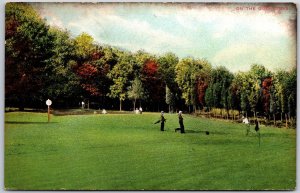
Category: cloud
<point>217,32</point>
<point>225,20</point>
<point>55,21</point>
<point>102,26</point>
<point>240,56</point>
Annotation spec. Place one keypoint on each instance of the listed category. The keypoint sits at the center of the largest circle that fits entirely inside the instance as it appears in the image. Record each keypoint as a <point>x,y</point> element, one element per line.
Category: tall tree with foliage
<point>170,99</point>
<point>234,96</point>
<point>274,98</point>
<point>61,83</point>
<point>167,64</point>
<point>266,95</point>
<point>221,80</point>
<point>287,89</point>
<point>154,85</point>
<point>188,71</point>
<point>28,48</point>
<point>257,74</point>
<point>136,91</point>
<point>242,86</point>
<point>120,74</point>
<point>84,47</point>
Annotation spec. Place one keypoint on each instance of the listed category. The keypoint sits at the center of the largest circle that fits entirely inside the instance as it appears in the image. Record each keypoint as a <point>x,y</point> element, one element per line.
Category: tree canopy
<point>47,62</point>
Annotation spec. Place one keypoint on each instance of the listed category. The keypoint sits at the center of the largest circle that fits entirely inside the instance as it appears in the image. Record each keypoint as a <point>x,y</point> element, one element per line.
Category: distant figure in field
<point>137,111</point>
<point>180,123</point>
<point>104,111</point>
<point>141,110</point>
<point>162,121</point>
<point>246,121</point>
<point>257,130</point>
<point>256,125</point>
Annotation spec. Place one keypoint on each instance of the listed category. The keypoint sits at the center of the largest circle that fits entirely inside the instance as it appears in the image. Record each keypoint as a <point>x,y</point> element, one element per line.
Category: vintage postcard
<point>150,96</point>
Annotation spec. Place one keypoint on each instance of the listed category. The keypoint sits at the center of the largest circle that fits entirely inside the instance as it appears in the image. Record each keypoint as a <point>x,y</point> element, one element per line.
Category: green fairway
<point>129,152</point>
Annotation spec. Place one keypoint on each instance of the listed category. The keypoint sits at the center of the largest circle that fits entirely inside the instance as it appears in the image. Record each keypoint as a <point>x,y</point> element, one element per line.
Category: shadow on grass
<point>207,132</point>
<point>192,131</point>
<point>28,122</point>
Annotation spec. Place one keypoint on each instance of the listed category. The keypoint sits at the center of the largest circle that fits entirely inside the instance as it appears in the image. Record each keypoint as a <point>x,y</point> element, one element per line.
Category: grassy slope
<point>128,152</point>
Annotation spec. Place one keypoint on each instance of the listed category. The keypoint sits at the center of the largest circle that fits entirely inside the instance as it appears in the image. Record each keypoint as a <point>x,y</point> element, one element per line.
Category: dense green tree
<point>209,97</point>
<point>241,86</point>
<point>120,74</point>
<point>273,103</point>
<point>43,62</point>
<point>153,84</point>
<point>234,96</point>
<point>256,74</point>
<point>170,99</point>
<point>84,47</point>
<point>61,83</point>
<point>188,71</point>
<point>136,91</point>
<point>167,64</point>
<point>286,89</point>
<point>221,80</point>
<point>291,87</point>
<point>28,48</point>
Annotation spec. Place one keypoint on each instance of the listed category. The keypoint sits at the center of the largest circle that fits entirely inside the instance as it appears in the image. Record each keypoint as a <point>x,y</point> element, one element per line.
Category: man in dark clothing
<point>257,130</point>
<point>256,125</point>
<point>162,121</point>
<point>181,122</point>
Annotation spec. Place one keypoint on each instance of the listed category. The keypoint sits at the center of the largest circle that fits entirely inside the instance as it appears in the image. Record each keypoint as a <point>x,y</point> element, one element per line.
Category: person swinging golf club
<point>257,130</point>
<point>180,122</point>
<point>162,121</point>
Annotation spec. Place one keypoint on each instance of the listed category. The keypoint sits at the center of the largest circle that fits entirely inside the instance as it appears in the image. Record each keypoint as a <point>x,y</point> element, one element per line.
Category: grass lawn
<point>129,152</point>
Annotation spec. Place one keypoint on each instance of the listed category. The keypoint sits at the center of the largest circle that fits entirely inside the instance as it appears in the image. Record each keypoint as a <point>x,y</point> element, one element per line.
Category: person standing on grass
<point>256,125</point>
<point>246,121</point>
<point>181,122</point>
<point>162,121</point>
<point>257,130</point>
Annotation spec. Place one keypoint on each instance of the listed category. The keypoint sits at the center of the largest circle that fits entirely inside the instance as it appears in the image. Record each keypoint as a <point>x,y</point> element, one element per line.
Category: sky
<point>231,35</point>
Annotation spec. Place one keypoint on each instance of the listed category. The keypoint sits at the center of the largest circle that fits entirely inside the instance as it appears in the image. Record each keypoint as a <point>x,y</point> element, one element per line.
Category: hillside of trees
<point>44,62</point>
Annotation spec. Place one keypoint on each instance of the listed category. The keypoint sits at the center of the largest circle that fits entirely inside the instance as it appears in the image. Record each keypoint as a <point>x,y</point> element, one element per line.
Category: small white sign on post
<point>48,103</point>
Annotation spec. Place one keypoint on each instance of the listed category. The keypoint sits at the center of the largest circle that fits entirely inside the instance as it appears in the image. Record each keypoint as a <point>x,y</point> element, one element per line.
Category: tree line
<point>43,61</point>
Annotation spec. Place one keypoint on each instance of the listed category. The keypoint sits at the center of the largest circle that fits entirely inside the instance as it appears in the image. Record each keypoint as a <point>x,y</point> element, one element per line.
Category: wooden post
<point>48,113</point>
<point>48,103</point>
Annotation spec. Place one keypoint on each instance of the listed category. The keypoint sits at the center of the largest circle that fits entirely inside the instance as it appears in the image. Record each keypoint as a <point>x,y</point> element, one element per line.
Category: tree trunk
<point>134,104</point>
<point>274,119</point>
<point>120,105</point>
<point>286,121</point>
